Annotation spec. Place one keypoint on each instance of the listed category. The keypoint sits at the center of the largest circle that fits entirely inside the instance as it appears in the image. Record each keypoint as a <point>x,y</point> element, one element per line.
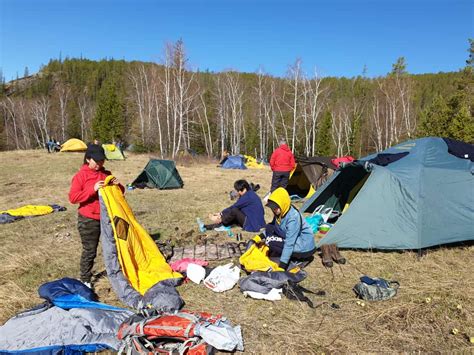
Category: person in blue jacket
<point>289,236</point>
<point>247,212</point>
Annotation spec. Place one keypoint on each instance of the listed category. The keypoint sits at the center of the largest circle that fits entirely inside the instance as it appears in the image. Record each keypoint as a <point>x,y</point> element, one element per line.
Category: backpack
<point>375,289</point>
<point>152,331</point>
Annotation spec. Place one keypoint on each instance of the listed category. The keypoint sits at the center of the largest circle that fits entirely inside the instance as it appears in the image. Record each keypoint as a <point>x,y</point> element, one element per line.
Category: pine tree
<point>109,120</point>
<point>355,138</point>
<point>434,120</point>
<point>324,141</point>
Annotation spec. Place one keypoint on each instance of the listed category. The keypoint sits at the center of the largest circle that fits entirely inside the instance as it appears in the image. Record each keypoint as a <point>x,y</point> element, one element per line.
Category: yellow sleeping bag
<point>29,210</point>
<point>140,259</point>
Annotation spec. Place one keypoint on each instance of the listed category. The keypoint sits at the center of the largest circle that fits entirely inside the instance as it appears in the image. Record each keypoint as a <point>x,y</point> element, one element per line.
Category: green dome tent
<point>411,196</point>
<point>159,174</point>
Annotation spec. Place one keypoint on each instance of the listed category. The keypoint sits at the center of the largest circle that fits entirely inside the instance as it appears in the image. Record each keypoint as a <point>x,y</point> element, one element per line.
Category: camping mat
<point>207,251</point>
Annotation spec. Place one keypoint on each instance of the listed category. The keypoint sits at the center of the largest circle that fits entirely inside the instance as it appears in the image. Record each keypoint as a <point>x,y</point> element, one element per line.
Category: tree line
<point>167,108</point>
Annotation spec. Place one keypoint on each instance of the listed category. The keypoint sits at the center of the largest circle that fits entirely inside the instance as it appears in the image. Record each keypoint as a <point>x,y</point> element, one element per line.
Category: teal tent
<point>159,174</point>
<point>411,196</point>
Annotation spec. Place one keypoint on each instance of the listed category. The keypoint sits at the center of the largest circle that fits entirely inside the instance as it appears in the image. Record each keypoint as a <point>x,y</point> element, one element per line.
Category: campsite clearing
<point>45,248</point>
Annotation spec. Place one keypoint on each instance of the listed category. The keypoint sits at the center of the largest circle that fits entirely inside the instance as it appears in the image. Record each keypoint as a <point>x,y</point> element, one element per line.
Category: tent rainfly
<point>414,195</point>
<point>73,145</point>
<point>112,152</point>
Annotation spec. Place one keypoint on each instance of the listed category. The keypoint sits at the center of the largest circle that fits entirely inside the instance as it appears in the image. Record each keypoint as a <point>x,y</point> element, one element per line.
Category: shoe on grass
<point>200,223</point>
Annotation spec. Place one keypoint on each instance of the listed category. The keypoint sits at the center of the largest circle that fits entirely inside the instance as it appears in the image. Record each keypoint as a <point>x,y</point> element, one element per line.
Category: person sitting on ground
<point>224,157</point>
<point>288,236</point>
<point>247,211</point>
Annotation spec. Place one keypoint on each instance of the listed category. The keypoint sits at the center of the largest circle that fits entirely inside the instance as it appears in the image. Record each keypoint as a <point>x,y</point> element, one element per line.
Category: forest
<point>169,109</point>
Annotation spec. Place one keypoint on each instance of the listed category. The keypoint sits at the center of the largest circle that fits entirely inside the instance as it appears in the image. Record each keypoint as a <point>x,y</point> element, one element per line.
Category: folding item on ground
<point>137,270</point>
<point>411,201</point>
<point>13,215</point>
<point>256,257</point>
<point>182,332</point>
<point>207,251</point>
<point>375,289</point>
<point>222,278</point>
<point>71,321</point>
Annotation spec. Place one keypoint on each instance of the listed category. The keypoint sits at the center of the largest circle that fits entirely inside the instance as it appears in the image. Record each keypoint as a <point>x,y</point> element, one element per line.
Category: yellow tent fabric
<point>256,259</point>
<point>29,210</point>
<point>140,259</point>
<point>73,145</point>
<point>251,162</point>
<point>112,152</point>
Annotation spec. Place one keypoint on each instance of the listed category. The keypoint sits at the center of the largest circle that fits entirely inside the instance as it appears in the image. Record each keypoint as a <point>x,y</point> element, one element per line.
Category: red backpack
<point>153,332</point>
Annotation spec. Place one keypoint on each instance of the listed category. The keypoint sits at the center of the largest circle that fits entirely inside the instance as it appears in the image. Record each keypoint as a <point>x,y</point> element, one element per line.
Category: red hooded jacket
<point>282,159</point>
<point>82,191</point>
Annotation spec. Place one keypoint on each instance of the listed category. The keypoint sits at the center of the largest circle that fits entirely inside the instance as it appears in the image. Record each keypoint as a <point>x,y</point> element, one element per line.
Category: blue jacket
<point>251,206</point>
<point>298,235</point>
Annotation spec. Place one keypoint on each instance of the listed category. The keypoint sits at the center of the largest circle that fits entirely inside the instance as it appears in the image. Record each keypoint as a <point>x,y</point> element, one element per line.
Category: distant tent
<point>411,196</point>
<point>159,174</point>
<point>234,162</point>
<point>310,173</point>
<point>112,152</point>
<point>73,145</point>
<point>251,162</point>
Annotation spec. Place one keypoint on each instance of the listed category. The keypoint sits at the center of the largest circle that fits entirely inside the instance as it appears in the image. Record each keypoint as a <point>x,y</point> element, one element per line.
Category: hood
<point>285,147</point>
<point>281,197</point>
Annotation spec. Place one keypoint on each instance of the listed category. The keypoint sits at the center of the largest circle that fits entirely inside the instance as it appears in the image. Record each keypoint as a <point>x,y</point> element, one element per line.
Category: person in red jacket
<point>282,162</point>
<point>84,191</point>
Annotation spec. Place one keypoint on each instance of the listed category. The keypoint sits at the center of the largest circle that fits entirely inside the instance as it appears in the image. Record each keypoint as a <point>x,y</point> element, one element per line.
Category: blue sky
<point>337,37</point>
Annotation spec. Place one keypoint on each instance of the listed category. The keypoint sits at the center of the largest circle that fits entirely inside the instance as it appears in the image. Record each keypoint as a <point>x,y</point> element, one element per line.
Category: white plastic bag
<point>195,273</point>
<point>223,278</point>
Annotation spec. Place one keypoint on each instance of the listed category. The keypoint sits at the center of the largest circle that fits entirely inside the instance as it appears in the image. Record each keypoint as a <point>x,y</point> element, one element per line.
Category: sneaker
<point>200,223</point>
<point>222,229</point>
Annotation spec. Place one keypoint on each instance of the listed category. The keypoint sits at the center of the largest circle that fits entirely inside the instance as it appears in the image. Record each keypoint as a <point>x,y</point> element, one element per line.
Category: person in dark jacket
<point>282,162</point>
<point>247,212</point>
<point>84,191</point>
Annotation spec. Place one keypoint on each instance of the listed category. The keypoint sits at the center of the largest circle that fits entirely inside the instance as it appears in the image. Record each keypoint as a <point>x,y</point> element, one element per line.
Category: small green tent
<point>159,174</point>
<point>112,152</point>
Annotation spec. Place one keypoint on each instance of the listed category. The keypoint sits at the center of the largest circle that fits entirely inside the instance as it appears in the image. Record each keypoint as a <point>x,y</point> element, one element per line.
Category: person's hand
<point>98,185</point>
<point>114,181</point>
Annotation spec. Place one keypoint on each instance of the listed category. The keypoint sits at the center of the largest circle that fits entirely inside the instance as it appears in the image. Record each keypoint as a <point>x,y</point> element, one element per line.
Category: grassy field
<point>436,293</point>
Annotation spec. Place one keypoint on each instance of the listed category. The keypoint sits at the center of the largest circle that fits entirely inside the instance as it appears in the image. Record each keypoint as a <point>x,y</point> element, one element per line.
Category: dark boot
<point>326,255</point>
<point>335,255</point>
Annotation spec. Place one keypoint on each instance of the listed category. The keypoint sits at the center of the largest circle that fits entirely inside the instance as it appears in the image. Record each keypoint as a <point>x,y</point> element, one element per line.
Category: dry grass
<point>37,250</point>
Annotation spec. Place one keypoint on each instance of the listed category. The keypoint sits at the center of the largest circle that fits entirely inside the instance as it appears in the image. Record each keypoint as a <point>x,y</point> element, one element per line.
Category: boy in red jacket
<point>282,162</point>
<point>84,186</point>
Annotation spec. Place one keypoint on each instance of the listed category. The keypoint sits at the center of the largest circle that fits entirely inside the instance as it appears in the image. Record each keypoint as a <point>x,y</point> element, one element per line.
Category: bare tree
<point>63,94</point>
<point>40,113</point>
<point>295,78</point>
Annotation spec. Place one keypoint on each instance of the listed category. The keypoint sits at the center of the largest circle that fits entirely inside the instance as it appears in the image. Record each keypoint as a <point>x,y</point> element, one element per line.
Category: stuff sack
<point>375,289</point>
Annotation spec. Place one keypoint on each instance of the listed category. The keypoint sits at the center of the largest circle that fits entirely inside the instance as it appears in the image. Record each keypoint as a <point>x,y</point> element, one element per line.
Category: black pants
<point>276,244</point>
<point>279,179</point>
<point>233,216</point>
<point>89,230</point>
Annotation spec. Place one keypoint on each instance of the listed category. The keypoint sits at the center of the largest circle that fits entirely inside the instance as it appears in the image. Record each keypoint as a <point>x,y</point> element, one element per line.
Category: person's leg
<point>284,177</point>
<point>275,181</point>
<point>233,216</point>
<point>89,230</point>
